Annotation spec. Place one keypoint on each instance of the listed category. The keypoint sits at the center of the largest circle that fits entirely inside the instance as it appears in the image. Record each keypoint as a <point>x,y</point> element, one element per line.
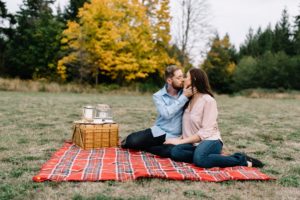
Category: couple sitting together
<point>186,128</point>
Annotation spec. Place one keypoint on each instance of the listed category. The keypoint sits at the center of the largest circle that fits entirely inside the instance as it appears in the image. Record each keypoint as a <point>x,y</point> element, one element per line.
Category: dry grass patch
<point>43,85</point>
<point>270,93</point>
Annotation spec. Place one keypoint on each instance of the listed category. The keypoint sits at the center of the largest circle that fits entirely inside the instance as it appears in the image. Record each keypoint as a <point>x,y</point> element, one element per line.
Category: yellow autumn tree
<point>158,12</point>
<point>162,33</point>
<point>220,64</point>
<point>112,37</point>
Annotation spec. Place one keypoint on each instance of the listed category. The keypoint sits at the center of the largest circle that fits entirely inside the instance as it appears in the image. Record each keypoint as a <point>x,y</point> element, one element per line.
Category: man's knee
<point>131,142</point>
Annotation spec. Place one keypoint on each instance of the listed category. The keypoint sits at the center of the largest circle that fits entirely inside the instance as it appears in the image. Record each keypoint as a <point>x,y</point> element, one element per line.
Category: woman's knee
<point>202,161</point>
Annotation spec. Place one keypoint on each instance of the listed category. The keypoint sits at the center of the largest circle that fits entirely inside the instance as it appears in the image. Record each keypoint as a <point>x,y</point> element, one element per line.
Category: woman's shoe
<point>255,162</point>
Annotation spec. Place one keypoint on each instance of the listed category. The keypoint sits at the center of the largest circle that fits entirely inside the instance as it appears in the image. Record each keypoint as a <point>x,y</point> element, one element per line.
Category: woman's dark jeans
<point>144,140</point>
<point>207,154</point>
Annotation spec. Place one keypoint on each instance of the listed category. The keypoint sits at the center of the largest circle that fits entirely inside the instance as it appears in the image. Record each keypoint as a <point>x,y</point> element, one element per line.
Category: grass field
<point>34,125</point>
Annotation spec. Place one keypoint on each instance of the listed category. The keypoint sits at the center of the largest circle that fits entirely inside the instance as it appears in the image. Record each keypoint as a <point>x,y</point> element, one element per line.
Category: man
<point>169,102</point>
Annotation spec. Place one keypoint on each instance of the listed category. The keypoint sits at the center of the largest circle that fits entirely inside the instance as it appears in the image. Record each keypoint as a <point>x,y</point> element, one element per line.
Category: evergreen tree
<point>296,35</point>
<point>257,44</point>
<point>250,46</point>
<point>6,32</point>
<point>219,64</point>
<point>33,49</point>
<point>282,35</point>
<point>265,41</point>
<point>72,9</point>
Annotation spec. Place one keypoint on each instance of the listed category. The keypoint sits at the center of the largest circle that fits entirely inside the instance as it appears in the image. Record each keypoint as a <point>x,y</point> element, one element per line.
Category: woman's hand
<point>189,140</point>
<point>174,141</point>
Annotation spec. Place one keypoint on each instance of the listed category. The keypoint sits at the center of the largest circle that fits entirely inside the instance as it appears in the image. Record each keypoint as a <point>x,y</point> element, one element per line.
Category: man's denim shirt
<point>169,108</point>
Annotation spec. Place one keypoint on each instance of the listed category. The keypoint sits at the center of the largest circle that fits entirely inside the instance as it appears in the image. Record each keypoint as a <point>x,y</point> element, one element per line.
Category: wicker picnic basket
<point>91,136</point>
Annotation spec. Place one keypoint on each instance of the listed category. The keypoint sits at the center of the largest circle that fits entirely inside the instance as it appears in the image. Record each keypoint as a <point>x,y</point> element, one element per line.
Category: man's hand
<point>188,92</point>
<point>174,141</point>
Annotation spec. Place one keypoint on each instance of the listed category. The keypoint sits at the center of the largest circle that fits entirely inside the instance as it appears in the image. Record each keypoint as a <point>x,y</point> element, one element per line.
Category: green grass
<point>34,125</point>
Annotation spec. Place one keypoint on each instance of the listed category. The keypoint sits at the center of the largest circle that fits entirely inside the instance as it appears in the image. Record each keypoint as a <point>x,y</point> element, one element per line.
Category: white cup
<point>88,112</point>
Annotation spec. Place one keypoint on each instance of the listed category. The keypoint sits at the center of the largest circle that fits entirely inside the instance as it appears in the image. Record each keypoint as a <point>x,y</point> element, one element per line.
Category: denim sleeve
<point>168,111</point>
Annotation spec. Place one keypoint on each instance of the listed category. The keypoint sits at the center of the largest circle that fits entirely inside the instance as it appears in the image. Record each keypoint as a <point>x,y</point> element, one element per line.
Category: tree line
<point>268,58</point>
<point>123,42</point>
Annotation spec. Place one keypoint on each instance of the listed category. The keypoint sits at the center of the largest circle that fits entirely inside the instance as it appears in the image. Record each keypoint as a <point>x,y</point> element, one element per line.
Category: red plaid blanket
<point>70,163</point>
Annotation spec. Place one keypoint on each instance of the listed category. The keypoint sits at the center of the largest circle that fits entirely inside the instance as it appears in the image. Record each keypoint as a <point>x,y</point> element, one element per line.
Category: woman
<point>201,141</point>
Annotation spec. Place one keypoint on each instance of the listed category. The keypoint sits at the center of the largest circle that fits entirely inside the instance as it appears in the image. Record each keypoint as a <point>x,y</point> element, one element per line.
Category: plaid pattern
<point>70,163</point>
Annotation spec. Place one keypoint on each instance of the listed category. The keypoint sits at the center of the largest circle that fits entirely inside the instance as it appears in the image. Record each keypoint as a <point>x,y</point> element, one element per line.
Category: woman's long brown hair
<point>200,81</point>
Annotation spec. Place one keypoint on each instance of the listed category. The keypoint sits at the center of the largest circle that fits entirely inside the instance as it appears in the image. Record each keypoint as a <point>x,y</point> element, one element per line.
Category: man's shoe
<point>255,162</point>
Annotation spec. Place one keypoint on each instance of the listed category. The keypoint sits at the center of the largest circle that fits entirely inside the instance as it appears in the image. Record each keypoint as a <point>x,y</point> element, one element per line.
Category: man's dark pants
<point>144,140</point>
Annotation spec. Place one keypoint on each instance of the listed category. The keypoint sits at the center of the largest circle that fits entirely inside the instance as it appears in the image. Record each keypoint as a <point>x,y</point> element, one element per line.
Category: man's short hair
<point>170,70</point>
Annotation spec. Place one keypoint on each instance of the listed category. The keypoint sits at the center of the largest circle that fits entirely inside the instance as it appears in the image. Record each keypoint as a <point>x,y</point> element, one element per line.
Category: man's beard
<point>177,87</point>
